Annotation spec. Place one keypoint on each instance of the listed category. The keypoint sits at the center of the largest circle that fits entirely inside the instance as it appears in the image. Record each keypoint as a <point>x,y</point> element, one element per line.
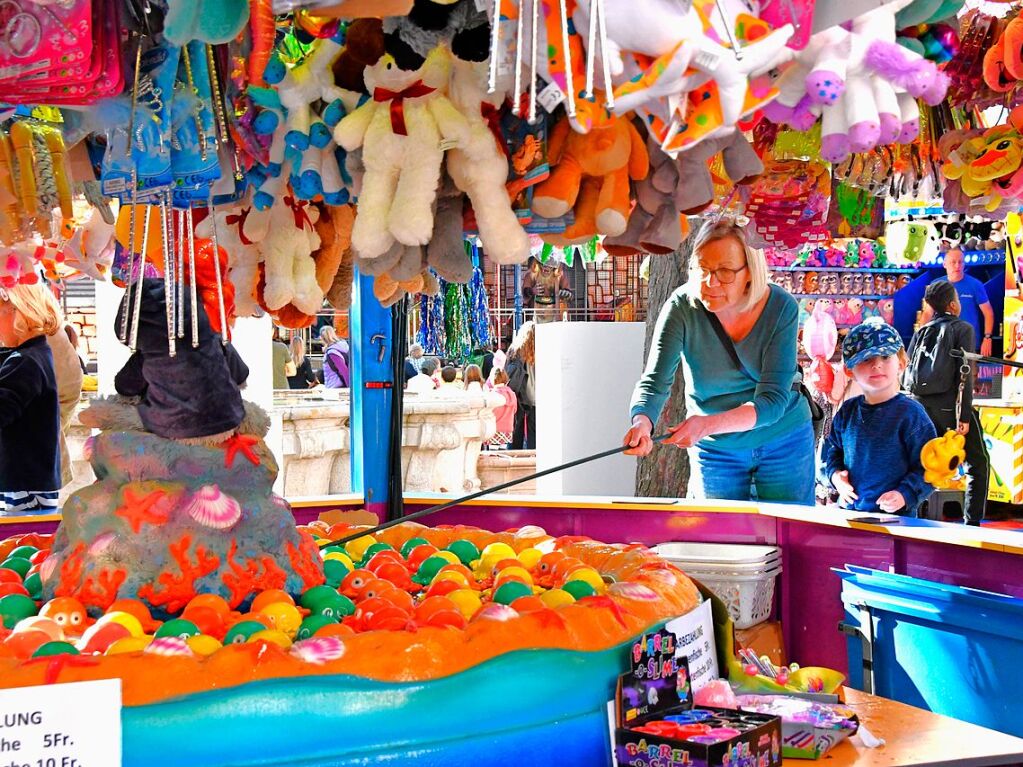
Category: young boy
<point>933,378</point>
<point>872,455</point>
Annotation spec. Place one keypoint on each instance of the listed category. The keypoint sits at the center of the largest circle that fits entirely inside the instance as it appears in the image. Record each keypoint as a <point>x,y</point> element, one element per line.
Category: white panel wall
<point>585,373</point>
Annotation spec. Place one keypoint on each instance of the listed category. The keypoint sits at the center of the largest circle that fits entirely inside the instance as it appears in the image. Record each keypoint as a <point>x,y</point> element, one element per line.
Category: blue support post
<point>517,322</point>
<point>372,395</point>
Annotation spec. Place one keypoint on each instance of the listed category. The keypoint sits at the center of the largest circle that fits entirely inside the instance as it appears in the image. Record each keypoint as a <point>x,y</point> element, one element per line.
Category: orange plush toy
<point>591,174</point>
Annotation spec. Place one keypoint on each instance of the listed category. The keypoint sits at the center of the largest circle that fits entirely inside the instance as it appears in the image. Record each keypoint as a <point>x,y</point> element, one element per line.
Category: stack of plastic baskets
<point>743,576</point>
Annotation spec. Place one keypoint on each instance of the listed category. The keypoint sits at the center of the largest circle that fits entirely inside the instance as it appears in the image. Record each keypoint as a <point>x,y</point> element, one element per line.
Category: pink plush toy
<point>840,313</point>
<point>854,310</point>
<point>887,309</point>
<point>866,253</point>
<point>820,337</point>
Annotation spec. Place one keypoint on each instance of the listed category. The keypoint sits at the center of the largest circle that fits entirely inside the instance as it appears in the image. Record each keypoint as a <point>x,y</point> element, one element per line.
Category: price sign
<point>695,633</point>
<point>62,725</point>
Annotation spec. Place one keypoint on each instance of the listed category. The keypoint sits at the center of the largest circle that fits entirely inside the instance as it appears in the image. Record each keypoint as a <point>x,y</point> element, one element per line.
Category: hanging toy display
<point>819,339</point>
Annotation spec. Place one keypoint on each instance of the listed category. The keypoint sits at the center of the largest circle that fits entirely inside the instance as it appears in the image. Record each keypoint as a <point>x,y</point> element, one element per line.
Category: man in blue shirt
<point>973,299</point>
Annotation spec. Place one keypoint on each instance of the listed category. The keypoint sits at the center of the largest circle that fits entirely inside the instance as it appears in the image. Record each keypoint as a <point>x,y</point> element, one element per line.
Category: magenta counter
<point>812,541</point>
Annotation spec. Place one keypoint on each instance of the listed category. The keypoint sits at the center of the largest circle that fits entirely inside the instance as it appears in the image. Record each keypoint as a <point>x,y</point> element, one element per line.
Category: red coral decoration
<point>102,591</point>
<point>178,590</point>
<point>71,573</point>
<point>305,560</point>
<point>140,509</point>
<point>247,579</point>
<point>57,663</point>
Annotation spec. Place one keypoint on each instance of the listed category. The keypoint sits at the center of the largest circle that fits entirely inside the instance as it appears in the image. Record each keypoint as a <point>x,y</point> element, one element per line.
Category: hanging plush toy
<point>286,252</point>
<point>687,45</point>
<point>861,83</point>
<point>480,168</point>
<point>590,175</point>
<point>242,254</point>
<point>400,130</point>
<point>654,224</point>
<point>942,459</point>
<point>305,84</point>
<point>820,336</point>
<point>458,24</point>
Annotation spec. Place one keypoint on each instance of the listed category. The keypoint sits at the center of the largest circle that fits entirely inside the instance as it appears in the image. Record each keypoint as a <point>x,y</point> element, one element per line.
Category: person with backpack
<point>336,373</point>
<point>934,377</point>
<point>521,371</point>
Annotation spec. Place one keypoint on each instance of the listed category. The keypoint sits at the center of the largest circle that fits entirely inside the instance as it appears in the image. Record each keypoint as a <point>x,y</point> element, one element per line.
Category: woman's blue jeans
<point>781,471</point>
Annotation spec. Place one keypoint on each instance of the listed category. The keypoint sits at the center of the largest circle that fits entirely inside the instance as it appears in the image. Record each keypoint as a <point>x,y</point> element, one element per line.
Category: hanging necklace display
<point>217,275</point>
<point>179,293</point>
<point>194,295</point>
<point>131,259</point>
<point>168,274</point>
<point>137,312</point>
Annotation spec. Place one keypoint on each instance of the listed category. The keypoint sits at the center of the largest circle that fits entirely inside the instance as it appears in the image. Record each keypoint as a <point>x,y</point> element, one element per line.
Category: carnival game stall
<point>219,163</point>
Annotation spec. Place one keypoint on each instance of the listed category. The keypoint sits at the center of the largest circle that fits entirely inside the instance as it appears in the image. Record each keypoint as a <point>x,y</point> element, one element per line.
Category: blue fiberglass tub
<point>953,650</point>
<point>535,707</point>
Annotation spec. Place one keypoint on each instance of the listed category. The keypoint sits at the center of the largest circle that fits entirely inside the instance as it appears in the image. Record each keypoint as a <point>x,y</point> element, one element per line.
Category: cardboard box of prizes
<point>657,726</point>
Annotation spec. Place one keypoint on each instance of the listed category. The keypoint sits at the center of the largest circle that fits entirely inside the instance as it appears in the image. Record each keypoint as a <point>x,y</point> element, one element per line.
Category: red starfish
<point>548,618</point>
<point>56,663</point>
<point>240,443</point>
<point>139,509</point>
<point>609,604</point>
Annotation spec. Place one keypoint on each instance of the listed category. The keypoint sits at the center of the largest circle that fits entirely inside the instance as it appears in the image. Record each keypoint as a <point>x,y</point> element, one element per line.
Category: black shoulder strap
<point>726,341</point>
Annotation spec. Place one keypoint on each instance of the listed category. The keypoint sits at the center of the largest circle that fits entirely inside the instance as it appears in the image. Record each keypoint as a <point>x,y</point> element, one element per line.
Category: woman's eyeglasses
<point>724,274</point>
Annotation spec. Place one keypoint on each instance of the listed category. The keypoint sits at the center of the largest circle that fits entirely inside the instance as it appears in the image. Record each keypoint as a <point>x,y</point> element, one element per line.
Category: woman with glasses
<point>748,427</point>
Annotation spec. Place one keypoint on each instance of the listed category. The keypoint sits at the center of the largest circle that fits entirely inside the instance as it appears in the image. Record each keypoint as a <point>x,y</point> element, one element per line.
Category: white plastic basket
<point>717,553</point>
<point>749,597</point>
<point>742,576</point>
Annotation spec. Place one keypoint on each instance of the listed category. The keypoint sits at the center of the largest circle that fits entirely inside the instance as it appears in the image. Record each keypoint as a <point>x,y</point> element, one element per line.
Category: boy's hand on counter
<point>846,493</point>
<point>891,501</point>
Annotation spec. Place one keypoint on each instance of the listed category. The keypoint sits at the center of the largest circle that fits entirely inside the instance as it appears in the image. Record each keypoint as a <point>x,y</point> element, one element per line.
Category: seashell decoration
<point>495,612</point>
<point>101,544</point>
<point>319,649</point>
<point>211,507</point>
<point>169,646</point>
<point>633,590</point>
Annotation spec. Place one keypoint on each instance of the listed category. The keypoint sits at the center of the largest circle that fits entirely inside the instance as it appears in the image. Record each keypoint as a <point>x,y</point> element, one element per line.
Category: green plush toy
<point>209,21</point>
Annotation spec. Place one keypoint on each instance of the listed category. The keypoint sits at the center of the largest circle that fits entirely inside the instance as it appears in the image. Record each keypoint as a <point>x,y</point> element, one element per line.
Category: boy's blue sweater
<point>879,445</point>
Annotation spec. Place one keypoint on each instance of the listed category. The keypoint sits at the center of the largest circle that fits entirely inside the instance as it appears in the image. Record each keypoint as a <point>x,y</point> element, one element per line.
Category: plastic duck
<point>69,613</point>
<point>355,582</point>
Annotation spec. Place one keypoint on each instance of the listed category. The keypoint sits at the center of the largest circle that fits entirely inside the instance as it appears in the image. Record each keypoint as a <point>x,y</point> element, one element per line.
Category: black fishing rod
<point>480,493</point>
<point>971,357</point>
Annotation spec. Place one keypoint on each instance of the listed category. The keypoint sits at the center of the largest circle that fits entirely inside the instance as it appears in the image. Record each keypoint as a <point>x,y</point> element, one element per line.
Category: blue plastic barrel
<point>953,650</point>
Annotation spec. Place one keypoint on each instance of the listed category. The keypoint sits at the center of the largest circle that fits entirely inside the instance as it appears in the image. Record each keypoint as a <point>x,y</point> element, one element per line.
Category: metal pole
<point>518,299</point>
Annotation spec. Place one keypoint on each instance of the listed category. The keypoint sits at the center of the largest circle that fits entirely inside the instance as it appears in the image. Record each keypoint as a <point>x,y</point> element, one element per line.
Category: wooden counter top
<point>916,737</point>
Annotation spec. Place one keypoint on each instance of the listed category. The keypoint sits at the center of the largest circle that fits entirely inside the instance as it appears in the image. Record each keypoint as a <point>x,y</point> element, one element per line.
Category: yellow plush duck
<point>942,459</point>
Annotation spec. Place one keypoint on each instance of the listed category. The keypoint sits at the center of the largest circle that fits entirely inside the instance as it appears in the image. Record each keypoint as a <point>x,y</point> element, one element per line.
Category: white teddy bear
<point>400,130</point>
<point>286,252</point>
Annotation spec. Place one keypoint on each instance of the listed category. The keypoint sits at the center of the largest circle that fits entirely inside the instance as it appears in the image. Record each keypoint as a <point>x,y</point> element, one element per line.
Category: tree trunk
<point>665,472</point>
